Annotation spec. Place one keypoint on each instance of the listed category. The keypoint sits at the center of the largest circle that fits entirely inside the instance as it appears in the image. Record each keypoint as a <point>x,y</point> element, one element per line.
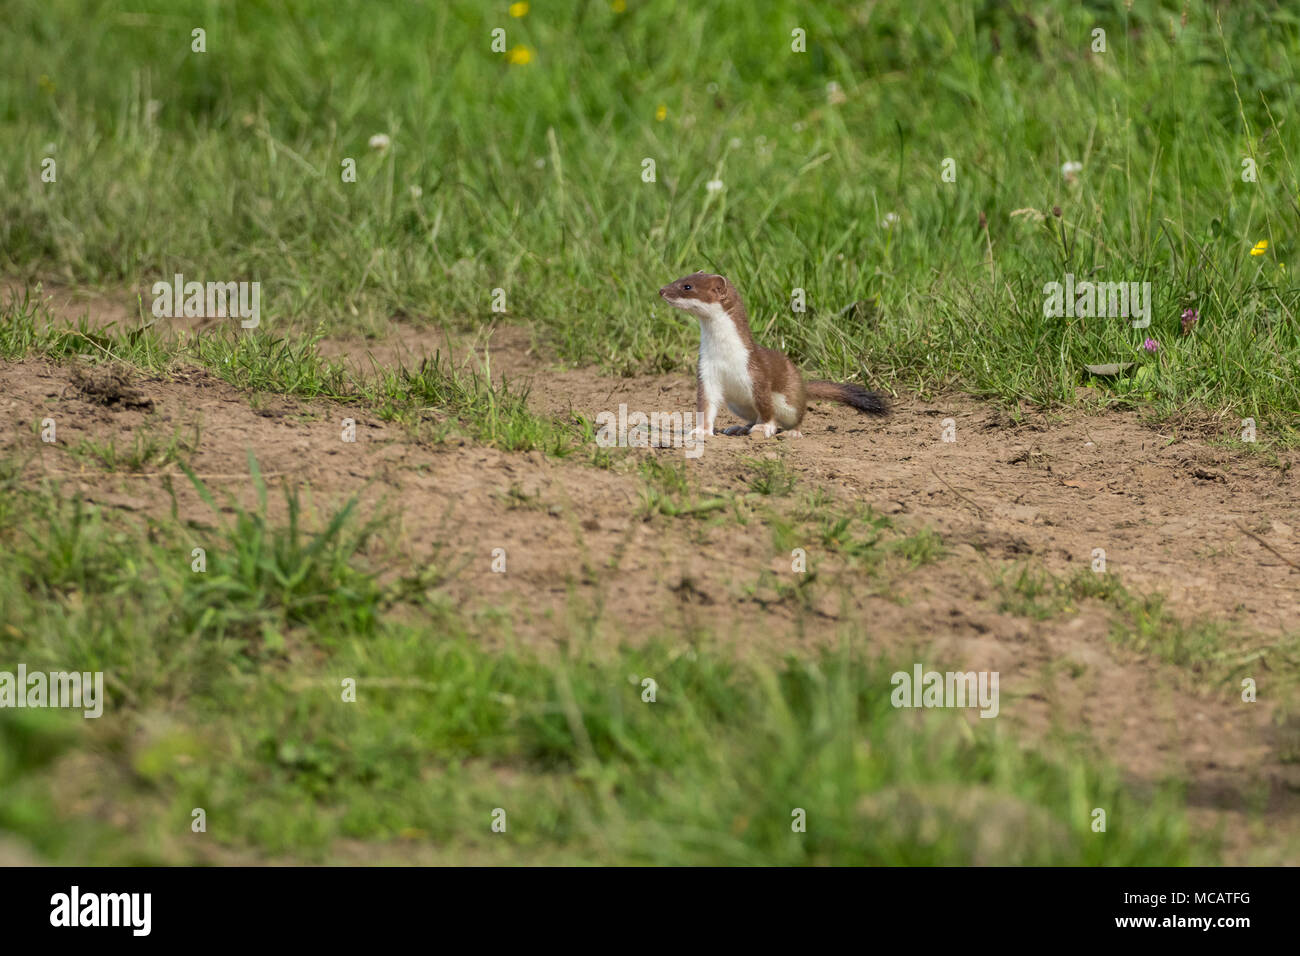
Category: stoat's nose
<point>664,291</point>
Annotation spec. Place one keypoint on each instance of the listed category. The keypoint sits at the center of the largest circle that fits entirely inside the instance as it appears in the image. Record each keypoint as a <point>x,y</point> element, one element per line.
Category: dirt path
<point>1209,527</point>
<point>1172,514</point>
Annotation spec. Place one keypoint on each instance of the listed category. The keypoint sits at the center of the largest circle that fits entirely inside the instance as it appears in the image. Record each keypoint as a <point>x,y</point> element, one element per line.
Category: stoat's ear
<point>724,288</point>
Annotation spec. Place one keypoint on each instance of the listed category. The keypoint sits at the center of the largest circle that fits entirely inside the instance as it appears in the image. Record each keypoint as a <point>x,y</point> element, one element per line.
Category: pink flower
<point>1190,318</point>
<point>1151,345</point>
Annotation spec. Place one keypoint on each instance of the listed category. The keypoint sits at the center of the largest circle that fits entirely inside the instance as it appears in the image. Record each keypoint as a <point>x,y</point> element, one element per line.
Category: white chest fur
<point>724,361</point>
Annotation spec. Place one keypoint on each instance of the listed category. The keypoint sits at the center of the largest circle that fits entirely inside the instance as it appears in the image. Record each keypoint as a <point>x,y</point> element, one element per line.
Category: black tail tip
<point>872,403</point>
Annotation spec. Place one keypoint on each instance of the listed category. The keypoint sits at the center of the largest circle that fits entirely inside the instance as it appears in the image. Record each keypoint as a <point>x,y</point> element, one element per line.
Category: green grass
<point>435,393</point>
<point>770,476</point>
<point>667,490</point>
<point>226,692</point>
<point>856,533</point>
<point>1142,623</point>
<point>528,177</point>
<point>146,451</point>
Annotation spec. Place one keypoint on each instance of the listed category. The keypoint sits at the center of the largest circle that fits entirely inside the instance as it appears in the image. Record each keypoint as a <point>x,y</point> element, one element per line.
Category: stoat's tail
<point>854,396</point>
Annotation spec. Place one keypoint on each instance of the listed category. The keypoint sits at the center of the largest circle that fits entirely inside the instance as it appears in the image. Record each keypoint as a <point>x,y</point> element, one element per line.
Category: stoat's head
<point>700,292</point>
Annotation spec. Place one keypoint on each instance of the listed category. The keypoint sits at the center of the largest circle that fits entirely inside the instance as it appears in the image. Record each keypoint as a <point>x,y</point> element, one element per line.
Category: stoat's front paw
<point>767,429</point>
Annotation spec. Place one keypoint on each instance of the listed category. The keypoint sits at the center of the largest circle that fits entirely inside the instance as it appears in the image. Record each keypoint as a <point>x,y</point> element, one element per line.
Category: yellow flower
<point>1261,247</point>
<point>519,9</point>
<point>45,83</point>
<point>618,6</point>
<point>661,113</point>
<point>520,55</point>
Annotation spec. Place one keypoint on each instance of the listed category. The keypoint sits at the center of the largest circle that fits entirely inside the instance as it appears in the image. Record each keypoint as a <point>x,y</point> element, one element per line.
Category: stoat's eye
<point>687,287</point>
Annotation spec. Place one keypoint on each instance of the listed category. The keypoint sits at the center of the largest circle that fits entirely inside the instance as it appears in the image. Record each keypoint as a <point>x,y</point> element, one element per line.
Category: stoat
<point>761,386</point>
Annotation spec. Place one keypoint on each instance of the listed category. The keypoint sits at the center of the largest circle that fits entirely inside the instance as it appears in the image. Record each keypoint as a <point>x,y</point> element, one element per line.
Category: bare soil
<point>1212,527</point>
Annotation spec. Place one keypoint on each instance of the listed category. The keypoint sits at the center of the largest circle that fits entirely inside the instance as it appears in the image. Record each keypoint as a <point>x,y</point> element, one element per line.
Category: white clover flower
<point>1071,170</point>
<point>380,141</point>
<point>890,220</point>
<point>714,185</point>
<point>416,192</point>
